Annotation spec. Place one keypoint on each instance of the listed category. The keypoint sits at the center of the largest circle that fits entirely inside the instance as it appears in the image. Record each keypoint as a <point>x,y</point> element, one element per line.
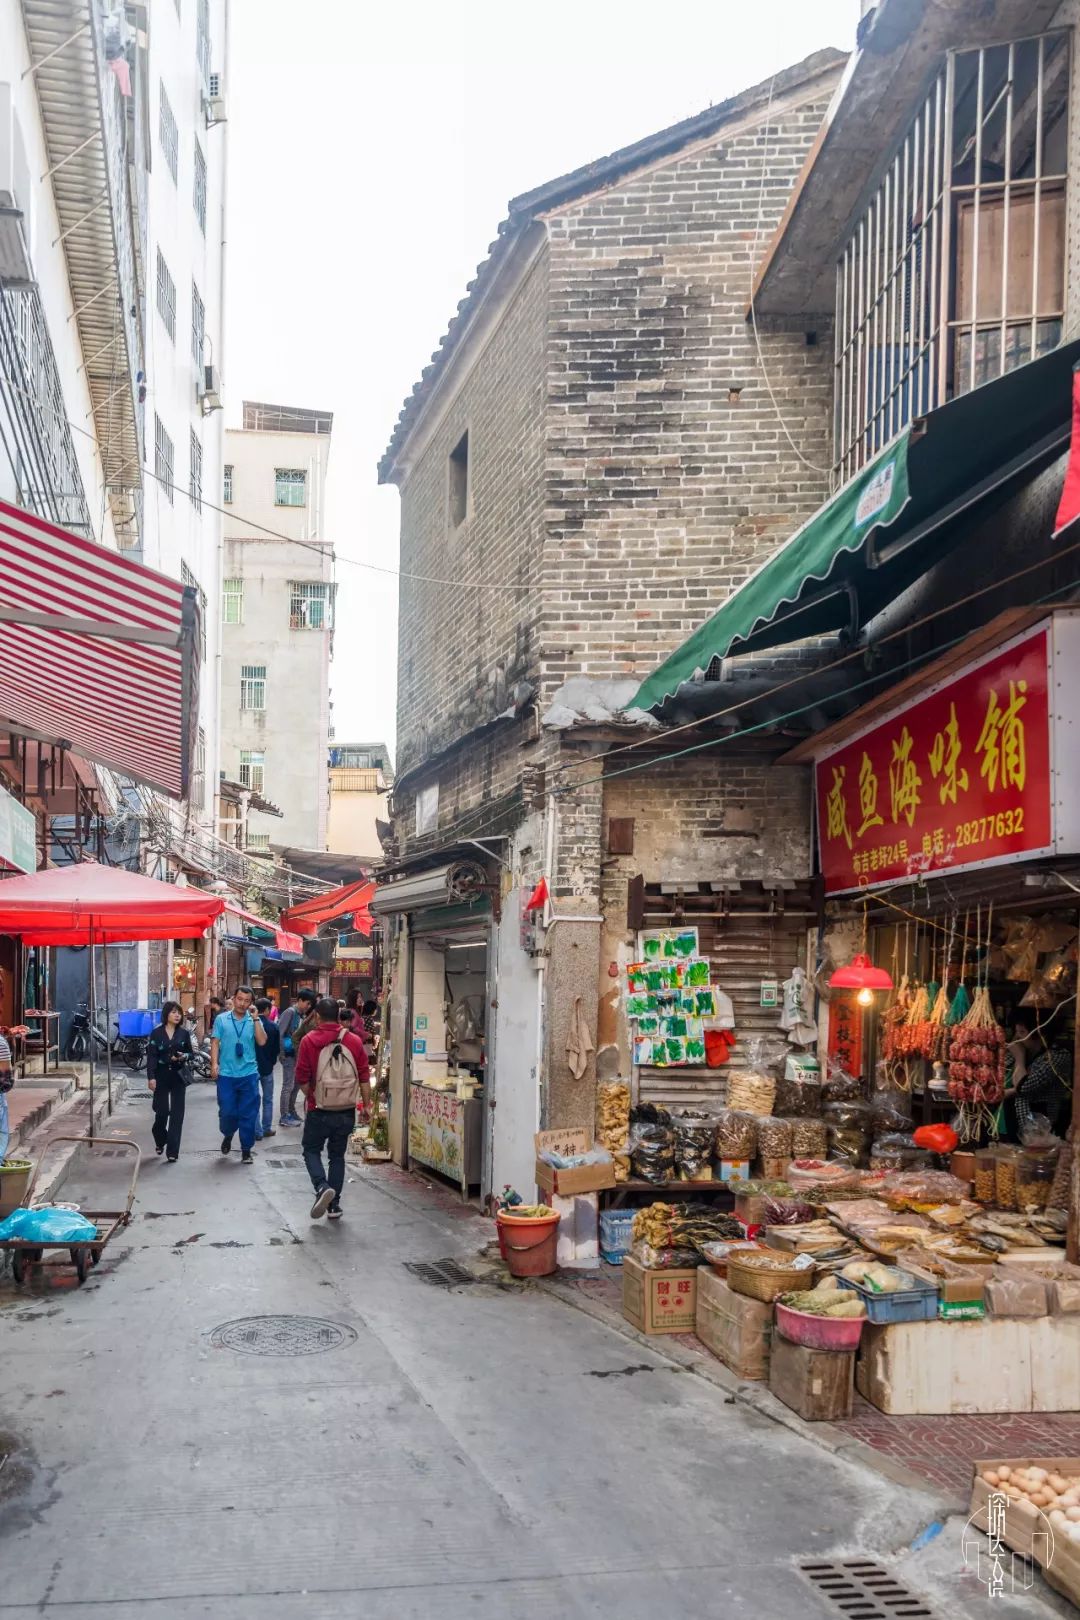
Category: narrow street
<point>467,1452</point>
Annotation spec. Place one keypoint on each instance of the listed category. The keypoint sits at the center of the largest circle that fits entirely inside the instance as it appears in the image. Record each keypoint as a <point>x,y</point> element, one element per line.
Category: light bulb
<point>865,998</point>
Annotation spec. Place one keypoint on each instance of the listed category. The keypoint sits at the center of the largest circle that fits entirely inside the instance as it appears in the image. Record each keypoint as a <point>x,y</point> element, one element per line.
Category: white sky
<point>371,156</point>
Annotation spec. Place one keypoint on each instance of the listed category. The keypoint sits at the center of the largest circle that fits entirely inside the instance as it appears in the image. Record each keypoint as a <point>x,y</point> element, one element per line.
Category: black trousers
<point>170,1096</point>
<point>329,1128</point>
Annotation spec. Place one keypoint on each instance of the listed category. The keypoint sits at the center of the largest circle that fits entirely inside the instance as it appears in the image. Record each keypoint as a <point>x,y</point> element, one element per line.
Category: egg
<point>1056,1483</point>
<point>1058,1519</point>
<point>1038,1474</point>
<point>1074,1532</point>
<point>1004,1474</point>
<point>1070,1497</point>
<point>1073,1515</point>
<point>990,1476</point>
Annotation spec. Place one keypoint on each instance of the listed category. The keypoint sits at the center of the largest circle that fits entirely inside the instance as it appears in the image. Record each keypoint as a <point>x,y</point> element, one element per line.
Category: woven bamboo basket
<point>765,1282</point>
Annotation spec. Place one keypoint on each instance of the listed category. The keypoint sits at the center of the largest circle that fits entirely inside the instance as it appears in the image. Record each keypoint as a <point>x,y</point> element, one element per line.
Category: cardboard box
<point>1027,1533</point>
<point>736,1329</point>
<point>817,1384</point>
<point>663,1301</point>
<point>565,1183</point>
<point>729,1169</point>
<point>965,1286</point>
<point>994,1365</point>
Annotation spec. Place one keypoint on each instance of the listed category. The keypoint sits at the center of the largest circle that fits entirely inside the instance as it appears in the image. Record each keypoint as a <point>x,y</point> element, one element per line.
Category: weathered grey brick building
<point>600,450</point>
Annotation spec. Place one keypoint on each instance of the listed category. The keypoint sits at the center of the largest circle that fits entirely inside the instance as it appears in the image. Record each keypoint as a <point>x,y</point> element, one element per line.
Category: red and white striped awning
<point>97,652</point>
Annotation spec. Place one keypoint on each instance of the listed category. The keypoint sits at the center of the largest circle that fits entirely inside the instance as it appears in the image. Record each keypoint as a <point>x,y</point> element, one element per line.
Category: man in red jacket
<point>330,1127</point>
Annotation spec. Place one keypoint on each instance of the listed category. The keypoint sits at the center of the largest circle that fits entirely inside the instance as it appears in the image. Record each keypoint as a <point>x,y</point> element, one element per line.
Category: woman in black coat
<point>168,1053</point>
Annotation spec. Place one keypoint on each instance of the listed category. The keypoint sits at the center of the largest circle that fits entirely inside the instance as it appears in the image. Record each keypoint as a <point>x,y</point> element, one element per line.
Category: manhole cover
<point>440,1273</point>
<point>863,1590</point>
<point>281,1335</point>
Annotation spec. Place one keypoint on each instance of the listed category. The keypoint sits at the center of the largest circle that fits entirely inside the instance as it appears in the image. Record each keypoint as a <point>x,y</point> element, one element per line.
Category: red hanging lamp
<point>860,974</point>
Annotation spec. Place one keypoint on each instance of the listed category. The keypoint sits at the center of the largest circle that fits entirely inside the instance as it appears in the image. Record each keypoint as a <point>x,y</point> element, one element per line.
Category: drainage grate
<point>281,1335</point>
<point>137,1096</point>
<point>862,1590</point>
<point>440,1273</point>
<point>284,1164</point>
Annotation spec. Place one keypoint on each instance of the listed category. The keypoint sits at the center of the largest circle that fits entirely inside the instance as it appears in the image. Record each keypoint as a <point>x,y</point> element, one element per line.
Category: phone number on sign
<point>1002,825</point>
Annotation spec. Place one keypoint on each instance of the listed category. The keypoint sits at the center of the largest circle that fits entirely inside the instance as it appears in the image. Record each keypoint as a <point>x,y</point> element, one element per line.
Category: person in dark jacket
<point>168,1052</point>
<point>266,1057</point>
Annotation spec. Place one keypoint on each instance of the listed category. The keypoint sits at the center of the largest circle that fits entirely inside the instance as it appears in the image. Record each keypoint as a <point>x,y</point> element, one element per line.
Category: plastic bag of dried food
<point>695,1140</point>
<point>788,1212</point>
<point>736,1134</point>
<point>798,1087</point>
<point>841,1086</point>
<point>664,1259</point>
<point>895,1149</point>
<point>891,1111</point>
<point>1037,1133</point>
<point>1018,1295</point>
<point>652,1152</point>
<point>809,1138</point>
<point>924,1187</point>
<point>850,1125</point>
<point>649,1114</point>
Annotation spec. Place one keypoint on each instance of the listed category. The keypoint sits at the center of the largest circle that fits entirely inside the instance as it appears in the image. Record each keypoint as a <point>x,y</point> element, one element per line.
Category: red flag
<point>538,897</point>
<point>1069,509</point>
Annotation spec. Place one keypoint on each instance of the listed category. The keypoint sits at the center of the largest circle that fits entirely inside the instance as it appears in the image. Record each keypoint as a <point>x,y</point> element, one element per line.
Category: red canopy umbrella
<point>351,900</point>
<point>88,904</point>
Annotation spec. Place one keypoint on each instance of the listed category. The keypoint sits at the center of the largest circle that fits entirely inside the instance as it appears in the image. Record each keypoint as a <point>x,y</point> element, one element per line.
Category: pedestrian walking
<point>294,1023</point>
<point>211,1013</point>
<point>236,1036</point>
<point>169,1051</point>
<point>332,1071</point>
<point>266,1057</point>
<point>7,1080</point>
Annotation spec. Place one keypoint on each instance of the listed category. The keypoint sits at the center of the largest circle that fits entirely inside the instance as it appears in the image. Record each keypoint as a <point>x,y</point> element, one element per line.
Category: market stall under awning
<point>260,930</point>
<point>891,523</point>
<point>97,652</point>
<point>86,903</point>
<point>352,900</point>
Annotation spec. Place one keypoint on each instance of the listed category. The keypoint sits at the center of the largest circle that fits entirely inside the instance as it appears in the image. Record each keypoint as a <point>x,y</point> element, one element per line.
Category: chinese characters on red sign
<point>955,779</point>
<point>845,1032</point>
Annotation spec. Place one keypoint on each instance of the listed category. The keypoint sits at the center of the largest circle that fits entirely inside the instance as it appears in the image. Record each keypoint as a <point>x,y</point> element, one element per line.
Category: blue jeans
<point>4,1136</point>
<point>266,1089</point>
<point>238,1106</point>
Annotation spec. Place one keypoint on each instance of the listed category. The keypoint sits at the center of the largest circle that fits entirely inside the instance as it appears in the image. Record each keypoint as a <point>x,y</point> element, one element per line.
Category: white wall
<point>293,731</point>
<point>515,1064</point>
<point>175,532</point>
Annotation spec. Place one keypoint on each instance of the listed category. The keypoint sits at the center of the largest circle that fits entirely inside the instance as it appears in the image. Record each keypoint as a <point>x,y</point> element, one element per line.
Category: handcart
<point>86,1254</point>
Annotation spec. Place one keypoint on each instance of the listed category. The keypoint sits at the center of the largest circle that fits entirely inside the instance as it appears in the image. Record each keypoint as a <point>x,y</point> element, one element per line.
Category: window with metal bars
<point>290,486</point>
<point>311,605</point>
<point>232,601</point>
<point>195,475</point>
<point>166,296</point>
<point>163,459</point>
<point>168,133</point>
<point>257,841</point>
<point>226,484</point>
<point>198,326</point>
<point>199,190</point>
<point>253,686</point>
<point>252,770</point>
<point>202,40</point>
<point>198,777</point>
<point>188,578</point>
<point>955,272</point>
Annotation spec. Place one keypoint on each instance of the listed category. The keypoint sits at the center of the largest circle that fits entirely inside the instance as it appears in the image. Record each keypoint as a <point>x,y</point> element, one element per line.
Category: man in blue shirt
<point>233,1064</point>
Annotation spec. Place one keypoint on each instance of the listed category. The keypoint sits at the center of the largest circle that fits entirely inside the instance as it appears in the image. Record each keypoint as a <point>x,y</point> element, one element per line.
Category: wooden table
<point>48,1035</point>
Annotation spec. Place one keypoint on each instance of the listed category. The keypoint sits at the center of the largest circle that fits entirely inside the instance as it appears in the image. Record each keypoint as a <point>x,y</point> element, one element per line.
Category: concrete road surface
<point>473,1452</point>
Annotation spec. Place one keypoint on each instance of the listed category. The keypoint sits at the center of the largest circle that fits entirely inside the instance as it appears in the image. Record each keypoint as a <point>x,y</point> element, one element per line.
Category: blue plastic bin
<point>616,1235</point>
<point>150,1022</point>
<point>131,1023</point>
<point>915,1304</point>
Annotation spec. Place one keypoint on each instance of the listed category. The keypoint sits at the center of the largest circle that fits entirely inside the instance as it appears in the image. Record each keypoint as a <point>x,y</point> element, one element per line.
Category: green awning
<point>891,522</point>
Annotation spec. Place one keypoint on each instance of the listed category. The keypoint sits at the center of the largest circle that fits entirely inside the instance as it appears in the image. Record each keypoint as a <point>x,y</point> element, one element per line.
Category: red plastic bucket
<point>529,1245</point>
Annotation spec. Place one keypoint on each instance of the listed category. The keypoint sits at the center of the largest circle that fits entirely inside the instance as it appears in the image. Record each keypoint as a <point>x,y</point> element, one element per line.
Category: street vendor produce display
<point>681,1227</point>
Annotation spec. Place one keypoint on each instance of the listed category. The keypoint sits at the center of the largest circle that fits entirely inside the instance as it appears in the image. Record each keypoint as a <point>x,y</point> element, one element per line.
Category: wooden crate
<point>817,1384</point>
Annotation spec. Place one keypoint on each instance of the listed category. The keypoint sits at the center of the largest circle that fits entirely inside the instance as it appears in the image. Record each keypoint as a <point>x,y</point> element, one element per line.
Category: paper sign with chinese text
<point>955,779</point>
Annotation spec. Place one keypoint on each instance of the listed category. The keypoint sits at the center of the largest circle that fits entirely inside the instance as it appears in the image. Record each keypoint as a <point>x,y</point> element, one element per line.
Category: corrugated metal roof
<point>85,123</point>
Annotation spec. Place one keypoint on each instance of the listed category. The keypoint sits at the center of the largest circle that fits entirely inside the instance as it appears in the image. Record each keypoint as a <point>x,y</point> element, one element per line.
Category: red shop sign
<point>960,778</point>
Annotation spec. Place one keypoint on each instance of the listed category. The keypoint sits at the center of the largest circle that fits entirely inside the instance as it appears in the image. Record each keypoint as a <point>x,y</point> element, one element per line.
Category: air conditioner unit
<point>214,102</point>
<point>208,389</point>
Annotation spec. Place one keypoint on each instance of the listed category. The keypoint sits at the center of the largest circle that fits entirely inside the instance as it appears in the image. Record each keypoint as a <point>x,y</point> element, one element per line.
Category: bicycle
<point>127,1049</point>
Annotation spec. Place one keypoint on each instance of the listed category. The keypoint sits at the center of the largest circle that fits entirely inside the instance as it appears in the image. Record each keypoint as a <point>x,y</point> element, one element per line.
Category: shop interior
<point>448,1054</point>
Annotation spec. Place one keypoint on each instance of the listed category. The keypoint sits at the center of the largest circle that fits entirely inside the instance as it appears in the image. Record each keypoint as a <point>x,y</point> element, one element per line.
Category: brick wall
<point>668,473</point>
<point>460,651</point>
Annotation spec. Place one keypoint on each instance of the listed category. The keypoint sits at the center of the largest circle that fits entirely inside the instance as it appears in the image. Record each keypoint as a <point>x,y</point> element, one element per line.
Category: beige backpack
<point>337,1078</point>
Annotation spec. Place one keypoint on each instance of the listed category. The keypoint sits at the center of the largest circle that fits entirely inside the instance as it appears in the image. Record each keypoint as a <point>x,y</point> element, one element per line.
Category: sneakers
<point>322,1203</point>
<point>293,1119</point>
<point>226,1144</point>
<point>247,1158</point>
<point>172,1158</point>
<point>286,1120</point>
<point>333,1214</point>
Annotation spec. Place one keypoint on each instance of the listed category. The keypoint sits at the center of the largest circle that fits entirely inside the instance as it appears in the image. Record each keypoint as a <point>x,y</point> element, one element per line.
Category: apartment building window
<point>163,459</point>
<point>232,601</point>
<point>311,605</point>
<point>459,482</point>
<point>290,486</point>
<point>199,193</point>
<point>252,770</point>
<point>226,484</point>
<point>166,296</point>
<point>195,476</point>
<point>955,273</point>
<point>356,759</point>
<point>202,40</point>
<point>188,578</point>
<point>198,326</point>
<point>168,133</point>
<point>198,775</point>
<point>258,842</point>
<point>253,686</point>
